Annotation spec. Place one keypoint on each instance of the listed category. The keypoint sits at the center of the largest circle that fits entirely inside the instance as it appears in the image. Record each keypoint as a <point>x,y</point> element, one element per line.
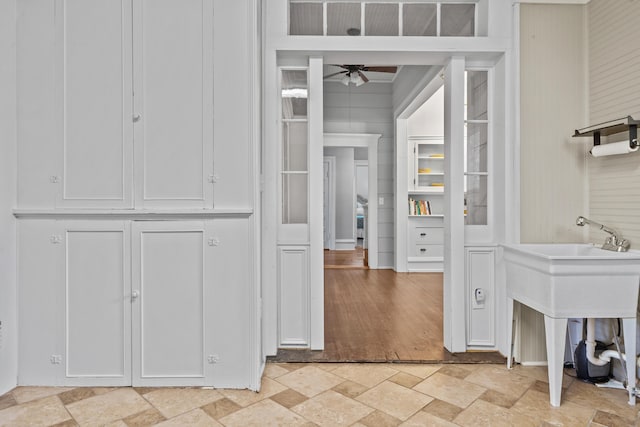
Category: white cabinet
<point>115,302</point>
<point>293,295</point>
<point>426,164</point>
<point>131,106</point>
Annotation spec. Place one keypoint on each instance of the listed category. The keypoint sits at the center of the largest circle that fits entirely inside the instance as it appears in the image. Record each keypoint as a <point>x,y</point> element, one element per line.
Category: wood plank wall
<point>614,91</point>
<point>368,109</point>
<point>553,103</point>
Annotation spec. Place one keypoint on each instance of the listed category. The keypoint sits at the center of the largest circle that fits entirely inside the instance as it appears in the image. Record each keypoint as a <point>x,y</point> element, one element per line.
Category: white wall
<point>368,109</point>
<point>428,120</point>
<point>345,197</point>
<point>614,79</point>
<point>8,328</point>
<point>552,167</point>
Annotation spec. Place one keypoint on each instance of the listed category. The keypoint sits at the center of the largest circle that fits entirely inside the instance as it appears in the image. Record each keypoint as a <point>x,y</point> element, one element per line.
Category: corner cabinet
<point>425,233</point>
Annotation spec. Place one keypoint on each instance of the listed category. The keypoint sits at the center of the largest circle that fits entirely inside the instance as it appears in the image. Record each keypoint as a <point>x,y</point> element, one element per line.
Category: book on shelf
<point>419,207</point>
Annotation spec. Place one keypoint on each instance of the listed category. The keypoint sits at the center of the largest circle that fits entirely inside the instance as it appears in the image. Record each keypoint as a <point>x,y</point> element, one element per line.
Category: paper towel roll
<point>612,149</point>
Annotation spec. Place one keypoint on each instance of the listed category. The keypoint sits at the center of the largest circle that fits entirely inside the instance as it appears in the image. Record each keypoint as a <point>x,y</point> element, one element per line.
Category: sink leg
<point>629,328</point>
<point>510,303</point>
<point>555,332</point>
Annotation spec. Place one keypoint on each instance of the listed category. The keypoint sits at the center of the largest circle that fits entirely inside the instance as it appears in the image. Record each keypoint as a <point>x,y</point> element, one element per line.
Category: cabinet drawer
<point>428,235</point>
<point>428,250</point>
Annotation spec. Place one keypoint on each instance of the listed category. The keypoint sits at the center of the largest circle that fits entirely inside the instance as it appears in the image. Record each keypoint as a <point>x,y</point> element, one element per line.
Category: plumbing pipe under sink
<point>604,357</point>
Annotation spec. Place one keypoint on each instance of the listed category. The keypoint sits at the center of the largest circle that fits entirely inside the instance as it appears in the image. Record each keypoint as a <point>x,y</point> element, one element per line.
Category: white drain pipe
<point>604,357</point>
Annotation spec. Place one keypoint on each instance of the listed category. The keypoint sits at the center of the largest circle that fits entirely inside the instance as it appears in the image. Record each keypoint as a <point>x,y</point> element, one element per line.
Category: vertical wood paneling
<point>368,109</point>
<point>552,166</point>
<point>614,92</point>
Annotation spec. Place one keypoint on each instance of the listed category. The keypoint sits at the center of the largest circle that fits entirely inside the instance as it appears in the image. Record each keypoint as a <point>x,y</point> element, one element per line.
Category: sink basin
<point>574,280</point>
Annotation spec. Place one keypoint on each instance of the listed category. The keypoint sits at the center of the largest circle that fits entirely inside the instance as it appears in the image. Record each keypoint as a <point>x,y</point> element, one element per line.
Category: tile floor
<point>334,394</point>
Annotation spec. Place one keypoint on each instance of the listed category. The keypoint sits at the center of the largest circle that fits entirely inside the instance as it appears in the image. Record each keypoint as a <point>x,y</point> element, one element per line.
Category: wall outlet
<point>479,297</point>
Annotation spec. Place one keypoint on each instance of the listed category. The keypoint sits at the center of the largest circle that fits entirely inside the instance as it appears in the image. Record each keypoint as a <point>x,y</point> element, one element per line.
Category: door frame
<point>369,141</point>
<point>331,161</point>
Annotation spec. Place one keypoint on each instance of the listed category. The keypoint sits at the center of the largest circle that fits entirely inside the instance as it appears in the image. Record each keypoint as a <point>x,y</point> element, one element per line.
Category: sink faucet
<point>614,242</point>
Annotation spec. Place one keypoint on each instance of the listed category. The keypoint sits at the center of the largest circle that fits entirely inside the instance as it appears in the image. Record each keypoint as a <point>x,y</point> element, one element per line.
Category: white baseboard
<point>345,245</point>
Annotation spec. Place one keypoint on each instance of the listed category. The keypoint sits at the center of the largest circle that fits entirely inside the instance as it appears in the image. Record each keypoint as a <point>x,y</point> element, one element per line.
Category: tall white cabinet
<point>125,261</point>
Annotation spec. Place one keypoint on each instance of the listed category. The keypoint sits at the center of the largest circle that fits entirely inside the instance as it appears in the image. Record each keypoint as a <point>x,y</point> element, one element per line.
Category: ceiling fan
<point>354,73</point>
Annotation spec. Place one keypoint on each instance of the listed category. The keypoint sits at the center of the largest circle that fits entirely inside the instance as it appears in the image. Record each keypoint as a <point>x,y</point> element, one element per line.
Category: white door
<point>173,103</point>
<point>97,307</point>
<point>170,265</point>
<point>92,72</point>
<point>328,197</point>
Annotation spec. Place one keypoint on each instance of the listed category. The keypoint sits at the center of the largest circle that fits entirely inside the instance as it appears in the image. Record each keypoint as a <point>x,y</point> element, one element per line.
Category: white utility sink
<point>573,280</point>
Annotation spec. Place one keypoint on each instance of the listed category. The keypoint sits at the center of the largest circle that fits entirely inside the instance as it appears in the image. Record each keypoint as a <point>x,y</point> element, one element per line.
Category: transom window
<point>384,18</point>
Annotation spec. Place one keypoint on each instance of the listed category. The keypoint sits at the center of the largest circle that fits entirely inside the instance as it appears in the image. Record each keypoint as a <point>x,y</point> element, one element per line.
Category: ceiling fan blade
<point>335,74</point>
<point>381,69</point>
<point>363,76</point>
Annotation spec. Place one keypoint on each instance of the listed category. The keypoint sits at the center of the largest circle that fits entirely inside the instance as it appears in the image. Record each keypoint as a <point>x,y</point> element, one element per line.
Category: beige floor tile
<point>195,418</point>
<point>499,399</point>
<point>289,398</point>
<point>273,370</point>
<point>350,389</point>
<point>422,419</point>
<point>332,409</point>
<point>262,414</point>
<point>144,418</point>
<point>329,367</point>
<point>310,380</point>
<point>108,407</point>
<point>442,409</point>
<point>380,419</point>
<point>395,400</point>
<point>536,406</point>
<point>452,390</point>
<point>118,423</point>
<point>175,401</point>
<point>247,397</point>
<point>417,369</point>
<point>76,394</point>
<point>611,420</point>
<point>481,413</point>
<point>221,408</point>
<point>69,423</point>
<point>27,394</point>
<point>608,400</point>
<point>7,401</point>
<point>455,371</point>
<point>367,374</point>
<point>405,380</point>
<point>540,373</point>
<point>500,379</point>
<point>41,412</point>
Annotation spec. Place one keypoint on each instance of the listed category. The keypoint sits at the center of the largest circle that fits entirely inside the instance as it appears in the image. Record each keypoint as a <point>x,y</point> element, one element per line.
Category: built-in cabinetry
<point>129,272</point>
<point>425,234</point>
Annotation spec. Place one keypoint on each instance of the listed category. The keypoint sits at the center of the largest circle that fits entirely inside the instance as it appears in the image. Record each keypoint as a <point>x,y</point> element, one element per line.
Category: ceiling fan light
<point>358,81</point>
<point>345,80</point>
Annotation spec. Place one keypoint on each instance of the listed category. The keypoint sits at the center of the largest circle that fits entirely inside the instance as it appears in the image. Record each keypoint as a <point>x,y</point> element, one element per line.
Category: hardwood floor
<point>345,259</point>
<point>380,315</point>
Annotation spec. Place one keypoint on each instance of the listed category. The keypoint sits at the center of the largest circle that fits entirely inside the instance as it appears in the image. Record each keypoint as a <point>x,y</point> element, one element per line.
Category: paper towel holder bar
<point>612,127</point>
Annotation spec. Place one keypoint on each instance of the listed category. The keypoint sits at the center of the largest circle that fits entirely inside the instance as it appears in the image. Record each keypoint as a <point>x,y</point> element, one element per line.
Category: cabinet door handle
<point>423,250</point>
<point>423,234</point>
<point>136,118</point>
<point>134,295</point>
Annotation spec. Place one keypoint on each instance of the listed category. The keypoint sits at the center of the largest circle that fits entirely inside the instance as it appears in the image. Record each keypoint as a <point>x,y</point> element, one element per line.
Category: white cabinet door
<point>173,103</point>
<point>293,292</point>
<point>92,73</point>
<point>97,307</point>
<point>171,261</point>
<point>481,307</point>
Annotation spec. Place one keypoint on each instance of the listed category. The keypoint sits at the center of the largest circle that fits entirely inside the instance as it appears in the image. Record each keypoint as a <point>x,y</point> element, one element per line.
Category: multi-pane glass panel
<point>457,20</point>
<point>425,19</point>
<point>420,20</point>
<point>381,19</point>
<point>476,147</point>
<point>343,19</point>
<point>305,19</point>
<point>295,147</point>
